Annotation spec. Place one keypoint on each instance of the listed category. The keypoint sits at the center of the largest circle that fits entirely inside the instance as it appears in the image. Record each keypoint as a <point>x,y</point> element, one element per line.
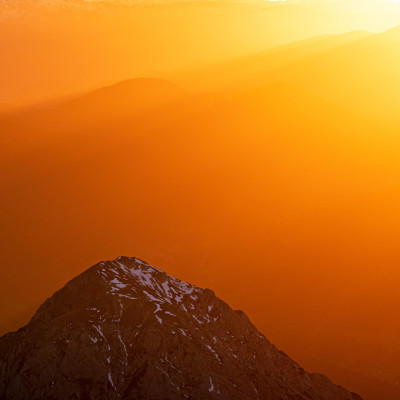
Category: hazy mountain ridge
<point>124,329</point>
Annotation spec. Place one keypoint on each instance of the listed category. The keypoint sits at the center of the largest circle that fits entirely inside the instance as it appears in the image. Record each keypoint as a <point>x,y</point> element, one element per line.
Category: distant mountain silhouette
<point>132,93</point>
<point>266,66</point>
<point>126,330</point>
<point>356,70</point>
<point>121,100</point>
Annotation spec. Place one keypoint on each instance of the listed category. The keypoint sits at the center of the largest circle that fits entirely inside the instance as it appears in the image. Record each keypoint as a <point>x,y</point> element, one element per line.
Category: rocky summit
<point>126,330</point>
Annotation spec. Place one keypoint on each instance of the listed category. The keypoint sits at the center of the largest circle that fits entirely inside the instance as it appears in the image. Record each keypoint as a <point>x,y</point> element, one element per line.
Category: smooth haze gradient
<point>250,147</point>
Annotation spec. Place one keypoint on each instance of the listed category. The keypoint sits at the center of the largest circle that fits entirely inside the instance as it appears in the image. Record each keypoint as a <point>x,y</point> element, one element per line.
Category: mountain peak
<point>132,278</point>
<point>124,329</point>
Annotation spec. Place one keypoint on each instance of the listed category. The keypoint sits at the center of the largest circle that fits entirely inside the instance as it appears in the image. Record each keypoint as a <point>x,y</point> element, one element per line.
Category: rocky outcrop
<point>126,330</point>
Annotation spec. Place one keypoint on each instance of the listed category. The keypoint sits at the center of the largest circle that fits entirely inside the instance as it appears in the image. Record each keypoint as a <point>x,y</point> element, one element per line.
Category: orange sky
<point>260,159</point>
<point>53,51</point>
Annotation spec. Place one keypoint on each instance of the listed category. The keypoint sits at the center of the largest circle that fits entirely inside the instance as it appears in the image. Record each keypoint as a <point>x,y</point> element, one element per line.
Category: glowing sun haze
<point>258,157</point>
<point>372,15</point>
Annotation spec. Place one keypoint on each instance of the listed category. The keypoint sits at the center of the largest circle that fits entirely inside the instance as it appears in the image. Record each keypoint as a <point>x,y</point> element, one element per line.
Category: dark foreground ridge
<point>126,330</point>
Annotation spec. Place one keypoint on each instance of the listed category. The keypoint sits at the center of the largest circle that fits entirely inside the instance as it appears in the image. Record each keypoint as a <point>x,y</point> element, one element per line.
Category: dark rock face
<point>125,330</point>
